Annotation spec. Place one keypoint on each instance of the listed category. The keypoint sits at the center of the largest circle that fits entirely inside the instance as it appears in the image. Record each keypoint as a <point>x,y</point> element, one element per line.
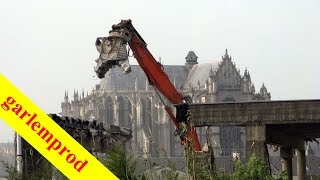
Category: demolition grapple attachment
<point>113,51</point>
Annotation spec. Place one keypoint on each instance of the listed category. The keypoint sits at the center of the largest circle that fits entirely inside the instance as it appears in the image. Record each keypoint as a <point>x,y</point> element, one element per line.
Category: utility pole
<point>19,153</point>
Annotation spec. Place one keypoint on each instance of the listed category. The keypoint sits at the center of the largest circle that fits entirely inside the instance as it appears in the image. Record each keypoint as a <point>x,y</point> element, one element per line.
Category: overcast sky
<point>47,47</point>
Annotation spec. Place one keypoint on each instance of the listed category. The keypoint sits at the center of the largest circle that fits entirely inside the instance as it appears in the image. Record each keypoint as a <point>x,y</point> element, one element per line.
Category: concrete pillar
<point>301,164</point>
<point>256,141</point>
<point>286,155</point>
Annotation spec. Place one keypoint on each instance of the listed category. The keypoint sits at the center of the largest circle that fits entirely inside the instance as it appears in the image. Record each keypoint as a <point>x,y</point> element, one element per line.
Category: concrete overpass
<point>287,124</point>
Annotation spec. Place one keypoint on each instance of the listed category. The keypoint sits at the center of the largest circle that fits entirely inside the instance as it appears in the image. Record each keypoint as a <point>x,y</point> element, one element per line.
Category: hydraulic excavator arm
<point>113,51</point>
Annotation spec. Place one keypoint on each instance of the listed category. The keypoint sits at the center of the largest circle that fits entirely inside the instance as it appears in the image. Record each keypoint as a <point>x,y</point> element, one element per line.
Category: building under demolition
<point>128,100</point>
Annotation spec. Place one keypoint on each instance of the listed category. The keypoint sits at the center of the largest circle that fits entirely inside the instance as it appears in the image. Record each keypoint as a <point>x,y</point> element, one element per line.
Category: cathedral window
<point>124,112</point>
<point>121,111</point>
<point>109,111</point>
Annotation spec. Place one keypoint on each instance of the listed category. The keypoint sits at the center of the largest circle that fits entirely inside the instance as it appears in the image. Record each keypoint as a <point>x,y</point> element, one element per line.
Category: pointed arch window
<point>124,112</point>
<point>128,114</point>
<point>121,111</point>
<point>109,111</point>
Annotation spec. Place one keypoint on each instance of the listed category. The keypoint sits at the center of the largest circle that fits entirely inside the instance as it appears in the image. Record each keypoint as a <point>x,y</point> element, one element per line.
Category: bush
<point>255,169</point>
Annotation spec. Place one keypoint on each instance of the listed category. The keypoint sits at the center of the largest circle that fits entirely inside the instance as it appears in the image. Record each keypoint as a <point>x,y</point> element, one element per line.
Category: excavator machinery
<point>114,51</point>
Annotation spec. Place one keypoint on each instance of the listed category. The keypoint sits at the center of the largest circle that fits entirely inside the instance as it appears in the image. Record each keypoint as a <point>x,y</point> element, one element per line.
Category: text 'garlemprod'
<point>55,144</point>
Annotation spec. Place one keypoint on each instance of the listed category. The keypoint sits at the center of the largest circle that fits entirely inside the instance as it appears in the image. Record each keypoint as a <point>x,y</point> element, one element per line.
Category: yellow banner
<point>47,137</point>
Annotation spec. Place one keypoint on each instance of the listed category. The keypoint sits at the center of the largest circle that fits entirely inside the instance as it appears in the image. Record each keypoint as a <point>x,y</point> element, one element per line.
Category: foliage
<point>44,173</point>
<point>255,169</point>
<point>12,171</point>
<point>205,173</point>
<point>121,163</point>
<point>124,166</point>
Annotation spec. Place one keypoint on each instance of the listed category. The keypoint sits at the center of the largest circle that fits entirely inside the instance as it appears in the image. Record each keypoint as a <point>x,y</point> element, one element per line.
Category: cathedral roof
<point>116,80</point>
<point>200,73</point>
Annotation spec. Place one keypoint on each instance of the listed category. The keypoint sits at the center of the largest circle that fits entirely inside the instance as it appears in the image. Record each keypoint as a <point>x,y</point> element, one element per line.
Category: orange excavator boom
<point>113,51</point>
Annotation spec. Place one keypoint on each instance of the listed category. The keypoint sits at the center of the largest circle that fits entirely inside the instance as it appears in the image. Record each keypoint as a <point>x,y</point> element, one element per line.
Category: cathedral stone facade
<point>128,100</point>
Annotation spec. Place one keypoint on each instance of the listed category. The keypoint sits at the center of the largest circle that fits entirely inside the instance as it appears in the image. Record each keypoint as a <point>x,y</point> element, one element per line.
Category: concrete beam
<point>251,113</point>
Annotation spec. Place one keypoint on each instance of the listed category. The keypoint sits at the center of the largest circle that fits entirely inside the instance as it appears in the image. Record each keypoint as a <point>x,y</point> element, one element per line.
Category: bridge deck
<point>253,113</point>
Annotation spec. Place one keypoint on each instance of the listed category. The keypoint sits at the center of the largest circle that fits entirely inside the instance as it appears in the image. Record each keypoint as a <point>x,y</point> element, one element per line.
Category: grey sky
<point>47,47</point>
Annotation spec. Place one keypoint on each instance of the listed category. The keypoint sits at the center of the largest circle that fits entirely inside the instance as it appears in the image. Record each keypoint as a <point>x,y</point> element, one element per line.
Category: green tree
<point>13,174</point>
<point>121,163</point>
